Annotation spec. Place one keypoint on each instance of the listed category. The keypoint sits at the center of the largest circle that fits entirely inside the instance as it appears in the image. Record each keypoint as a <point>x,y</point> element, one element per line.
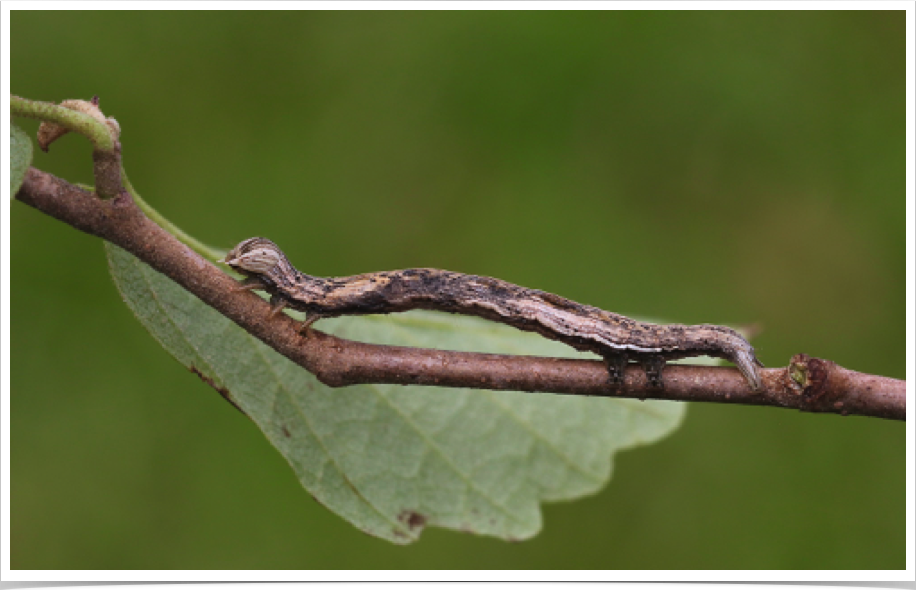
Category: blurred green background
<point>724,167</point>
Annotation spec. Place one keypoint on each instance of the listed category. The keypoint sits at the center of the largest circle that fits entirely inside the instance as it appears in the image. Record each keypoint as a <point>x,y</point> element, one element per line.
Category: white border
<point>339,5</point>
<point>5,311</point>
<point>455,5</point>
<point>910,288</point>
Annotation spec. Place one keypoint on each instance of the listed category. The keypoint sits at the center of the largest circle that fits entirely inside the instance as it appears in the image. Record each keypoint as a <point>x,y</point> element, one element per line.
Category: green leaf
<point>20,158</point>
<point>391,459</point>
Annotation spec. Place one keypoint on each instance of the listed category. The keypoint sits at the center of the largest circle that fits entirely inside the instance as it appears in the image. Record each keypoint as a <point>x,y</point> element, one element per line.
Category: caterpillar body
<point>618,339</point>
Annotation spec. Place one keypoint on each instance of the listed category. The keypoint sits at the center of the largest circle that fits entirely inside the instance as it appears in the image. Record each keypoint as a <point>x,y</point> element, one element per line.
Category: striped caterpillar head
<point>255,256</point>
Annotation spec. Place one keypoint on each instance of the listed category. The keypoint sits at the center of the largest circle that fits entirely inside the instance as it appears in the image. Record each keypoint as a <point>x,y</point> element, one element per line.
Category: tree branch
<point>807,384</point>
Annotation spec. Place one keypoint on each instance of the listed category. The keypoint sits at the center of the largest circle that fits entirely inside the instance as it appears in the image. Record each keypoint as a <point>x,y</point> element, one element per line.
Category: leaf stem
<point>208,252</point>
<point>96,132</point>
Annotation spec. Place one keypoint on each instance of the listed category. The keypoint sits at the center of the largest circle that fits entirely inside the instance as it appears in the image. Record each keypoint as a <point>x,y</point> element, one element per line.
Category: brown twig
<point>808,384</point>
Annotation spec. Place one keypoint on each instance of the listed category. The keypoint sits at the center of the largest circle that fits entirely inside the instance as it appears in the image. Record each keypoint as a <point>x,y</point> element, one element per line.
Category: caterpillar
<point>616,338</point>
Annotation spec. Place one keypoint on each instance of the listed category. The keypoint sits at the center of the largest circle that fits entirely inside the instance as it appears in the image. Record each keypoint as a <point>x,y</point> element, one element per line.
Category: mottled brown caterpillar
<point>616,338</point>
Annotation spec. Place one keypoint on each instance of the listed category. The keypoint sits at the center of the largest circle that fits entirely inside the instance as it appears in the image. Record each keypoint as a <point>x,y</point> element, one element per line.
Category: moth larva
<point>618,339</point>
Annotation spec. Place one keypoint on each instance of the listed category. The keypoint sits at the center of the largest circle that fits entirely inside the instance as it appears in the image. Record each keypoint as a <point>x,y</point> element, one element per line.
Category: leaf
<point>20,158</point>
<point>391,459</point>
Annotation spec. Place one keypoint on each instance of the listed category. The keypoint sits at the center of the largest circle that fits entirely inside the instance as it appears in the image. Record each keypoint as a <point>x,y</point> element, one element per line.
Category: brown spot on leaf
<point>286,432</point>
<point>413,520</point>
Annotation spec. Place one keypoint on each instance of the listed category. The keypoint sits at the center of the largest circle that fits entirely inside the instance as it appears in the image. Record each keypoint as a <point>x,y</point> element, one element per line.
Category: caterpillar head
<point>254,256</point>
